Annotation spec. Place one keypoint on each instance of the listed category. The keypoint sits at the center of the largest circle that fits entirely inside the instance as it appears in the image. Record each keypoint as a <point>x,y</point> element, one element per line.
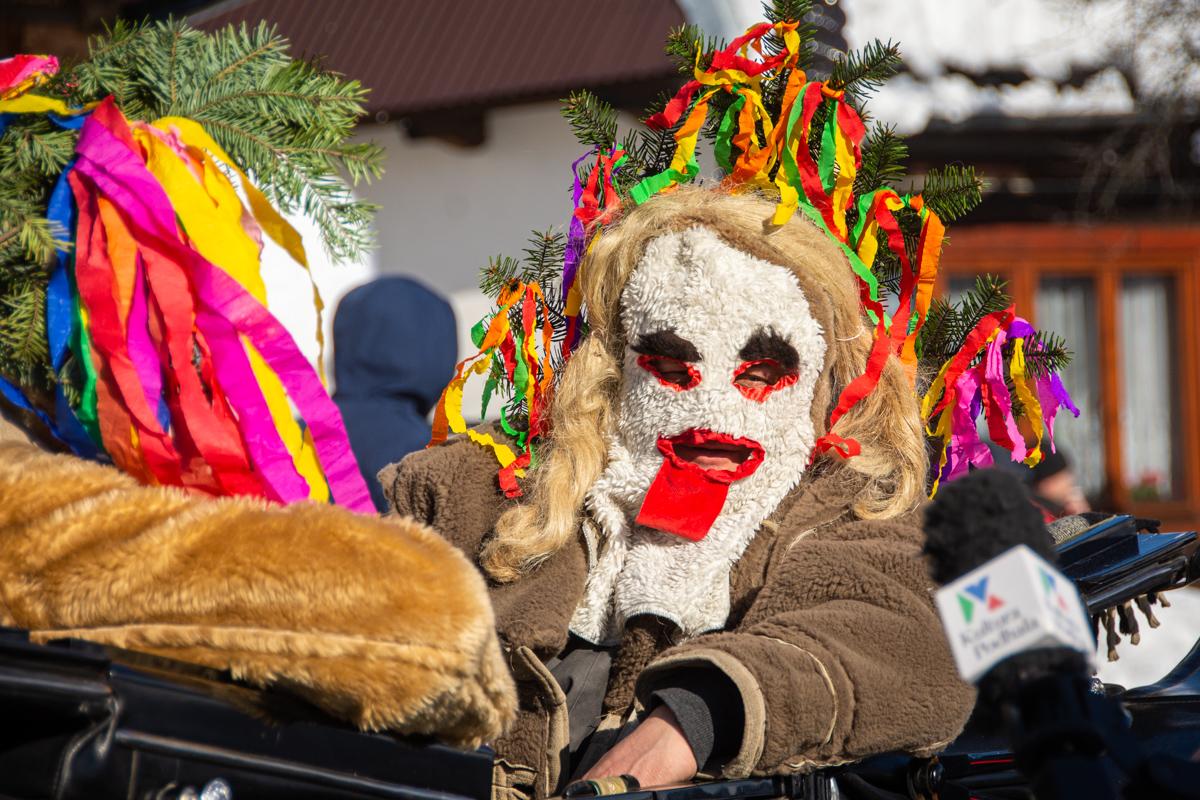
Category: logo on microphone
<point>974,595</point>
<point>1052,593</point>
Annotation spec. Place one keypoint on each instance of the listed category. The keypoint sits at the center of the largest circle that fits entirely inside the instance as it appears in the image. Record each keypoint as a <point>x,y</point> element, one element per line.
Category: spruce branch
<point>287,122</point>
<point>952,191</point>
<point>948,325</point>
<point>883,157</point>
<point>543,257</point>
<point>501,270</point>
<point>786,10</point>
<point>70,380</point>
<point>247,51</point>
<point>989,295</point>
<point>22,331</point>
<point>686,43</point>
<point>863,71</point>
<point>776,11</point>
<point>1046,352</point>
<point>938,330</point>
<point>593,121</point>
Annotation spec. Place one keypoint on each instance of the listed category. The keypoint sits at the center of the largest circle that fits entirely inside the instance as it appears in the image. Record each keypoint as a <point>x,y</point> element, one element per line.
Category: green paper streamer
<point>828,149</point>
<point>656,183</point>
<point>723,146</point>
<point>505,426</point>
<point>864,208</point>
<point>856,263</point>
<point>789,166</point>
<point>81,346</point>
<point>479,331</point>
<point>488,387</point>
<point>521,372</point>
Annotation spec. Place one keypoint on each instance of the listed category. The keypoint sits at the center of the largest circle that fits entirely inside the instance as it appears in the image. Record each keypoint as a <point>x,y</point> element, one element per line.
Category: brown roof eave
<point>422,57</point>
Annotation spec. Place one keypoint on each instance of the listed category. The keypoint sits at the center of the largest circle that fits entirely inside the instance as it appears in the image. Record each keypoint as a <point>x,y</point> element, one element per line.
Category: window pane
<point>1067,306</point>
<point>1147,388</point>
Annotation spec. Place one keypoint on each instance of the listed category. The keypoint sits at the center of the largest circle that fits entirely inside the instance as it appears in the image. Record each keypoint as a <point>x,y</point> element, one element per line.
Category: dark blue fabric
<point>394,348</point>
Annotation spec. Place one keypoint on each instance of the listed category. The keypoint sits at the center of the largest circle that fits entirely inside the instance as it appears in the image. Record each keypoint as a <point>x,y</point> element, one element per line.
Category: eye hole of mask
<point>756,380</point>
<point>679,375</point>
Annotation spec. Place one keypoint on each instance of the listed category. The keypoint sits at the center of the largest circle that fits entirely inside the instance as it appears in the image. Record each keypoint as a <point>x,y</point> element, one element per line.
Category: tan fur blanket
<point>381,623</point>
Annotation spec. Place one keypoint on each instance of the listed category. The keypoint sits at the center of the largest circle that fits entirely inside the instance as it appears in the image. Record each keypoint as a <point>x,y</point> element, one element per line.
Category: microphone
<point>1008,612</point>
<point>1019,631</point>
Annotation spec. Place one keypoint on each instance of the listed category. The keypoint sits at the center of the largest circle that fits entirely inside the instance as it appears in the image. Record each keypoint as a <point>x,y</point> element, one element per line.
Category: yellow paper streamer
<point>453,405</point>
<point>843,187</point>
<point>1033,406</point>
<point>272,223</point>
<point>36,104</point>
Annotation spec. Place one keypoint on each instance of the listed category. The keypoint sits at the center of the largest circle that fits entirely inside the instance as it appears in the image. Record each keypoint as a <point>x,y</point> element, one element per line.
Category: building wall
<point>446,208</point>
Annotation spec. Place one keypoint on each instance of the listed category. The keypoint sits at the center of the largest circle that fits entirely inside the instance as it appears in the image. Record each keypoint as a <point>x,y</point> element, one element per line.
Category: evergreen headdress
<point>776,129</point>
<point>134,323</point>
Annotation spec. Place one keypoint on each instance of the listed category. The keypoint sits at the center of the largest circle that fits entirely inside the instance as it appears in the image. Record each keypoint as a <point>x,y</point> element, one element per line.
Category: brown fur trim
<point>380,622</point>
<point>540,736</point>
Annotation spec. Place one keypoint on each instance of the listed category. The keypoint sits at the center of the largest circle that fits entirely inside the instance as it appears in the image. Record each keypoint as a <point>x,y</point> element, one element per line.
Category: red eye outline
<point>647,362</point>
<point>759,394</point>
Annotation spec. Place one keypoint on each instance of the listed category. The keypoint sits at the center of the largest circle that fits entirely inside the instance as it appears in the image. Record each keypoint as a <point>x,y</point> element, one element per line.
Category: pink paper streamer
<point>1001,425</point>
<point>16,70</point>
<point>142,351</point>
<point>965,448</point>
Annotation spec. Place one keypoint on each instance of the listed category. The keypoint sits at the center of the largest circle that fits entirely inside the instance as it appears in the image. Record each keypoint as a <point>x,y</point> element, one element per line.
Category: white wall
<point>289,295</point>
<point>446,209</point>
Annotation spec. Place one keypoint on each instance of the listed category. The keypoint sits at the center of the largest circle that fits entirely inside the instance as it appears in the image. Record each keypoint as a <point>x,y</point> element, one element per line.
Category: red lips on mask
<point>690,489</point>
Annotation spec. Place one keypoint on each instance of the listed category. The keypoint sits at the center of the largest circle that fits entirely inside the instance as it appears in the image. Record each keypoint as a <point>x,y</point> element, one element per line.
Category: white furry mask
<point>715,428</point>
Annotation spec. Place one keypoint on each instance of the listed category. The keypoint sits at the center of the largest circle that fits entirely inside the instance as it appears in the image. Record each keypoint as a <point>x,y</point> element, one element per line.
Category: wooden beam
<point>1108,312</point>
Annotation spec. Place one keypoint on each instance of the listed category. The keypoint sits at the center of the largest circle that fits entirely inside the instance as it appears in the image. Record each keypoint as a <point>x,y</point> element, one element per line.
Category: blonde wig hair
<point>583,412</point>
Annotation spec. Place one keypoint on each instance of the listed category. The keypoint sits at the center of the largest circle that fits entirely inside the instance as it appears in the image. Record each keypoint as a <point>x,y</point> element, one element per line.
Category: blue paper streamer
<point>60,318</point>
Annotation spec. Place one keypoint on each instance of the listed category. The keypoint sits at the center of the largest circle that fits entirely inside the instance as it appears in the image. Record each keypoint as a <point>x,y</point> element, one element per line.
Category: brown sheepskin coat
<point>379,622</point>
<point>833,641</point>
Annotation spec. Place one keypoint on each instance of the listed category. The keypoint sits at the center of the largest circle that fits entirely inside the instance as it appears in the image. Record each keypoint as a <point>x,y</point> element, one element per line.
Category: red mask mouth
<point>690,489</point>
<point>719,456</point>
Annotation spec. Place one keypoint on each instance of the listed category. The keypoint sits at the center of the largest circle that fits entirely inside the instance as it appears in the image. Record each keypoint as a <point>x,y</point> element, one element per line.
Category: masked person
<point>689,582</point>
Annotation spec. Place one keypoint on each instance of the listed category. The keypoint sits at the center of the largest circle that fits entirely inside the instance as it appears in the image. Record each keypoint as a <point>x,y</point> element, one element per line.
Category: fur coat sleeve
<point>451,488</point>
<point>379,622</point>
<point>841,655</point>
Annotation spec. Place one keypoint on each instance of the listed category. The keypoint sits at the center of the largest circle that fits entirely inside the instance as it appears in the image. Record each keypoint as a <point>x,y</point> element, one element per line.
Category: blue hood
<point>394,349</point>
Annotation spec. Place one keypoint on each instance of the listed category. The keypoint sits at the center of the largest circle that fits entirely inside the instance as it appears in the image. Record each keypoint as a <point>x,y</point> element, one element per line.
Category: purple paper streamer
<point>575,232</point>
<point>1020,328</point>
<point>1060,392</point>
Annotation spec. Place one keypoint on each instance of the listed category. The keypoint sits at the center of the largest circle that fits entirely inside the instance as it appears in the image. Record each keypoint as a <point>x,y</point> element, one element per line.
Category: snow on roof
<point>949,44</point>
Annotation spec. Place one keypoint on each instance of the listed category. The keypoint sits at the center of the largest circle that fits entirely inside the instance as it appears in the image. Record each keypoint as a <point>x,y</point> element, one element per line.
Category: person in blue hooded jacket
<point>395,344</point>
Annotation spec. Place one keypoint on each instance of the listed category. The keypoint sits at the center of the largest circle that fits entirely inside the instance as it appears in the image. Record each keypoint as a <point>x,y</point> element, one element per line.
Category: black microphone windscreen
<point>978,517</point>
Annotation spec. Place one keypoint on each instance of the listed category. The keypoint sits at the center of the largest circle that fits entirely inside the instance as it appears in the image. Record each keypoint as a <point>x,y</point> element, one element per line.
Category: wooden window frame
<point>1025,253</point>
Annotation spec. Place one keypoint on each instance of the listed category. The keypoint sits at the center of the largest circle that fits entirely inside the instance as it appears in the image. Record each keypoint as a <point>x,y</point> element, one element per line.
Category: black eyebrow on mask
<point>666,343</point>
<point>767,344</point>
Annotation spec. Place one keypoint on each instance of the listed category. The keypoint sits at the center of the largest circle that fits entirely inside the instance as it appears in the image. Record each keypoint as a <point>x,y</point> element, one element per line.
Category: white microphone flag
<point>1013,603</point>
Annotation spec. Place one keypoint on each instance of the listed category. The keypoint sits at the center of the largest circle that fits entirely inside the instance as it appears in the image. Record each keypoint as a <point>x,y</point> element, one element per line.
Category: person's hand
<point>656,753</point>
